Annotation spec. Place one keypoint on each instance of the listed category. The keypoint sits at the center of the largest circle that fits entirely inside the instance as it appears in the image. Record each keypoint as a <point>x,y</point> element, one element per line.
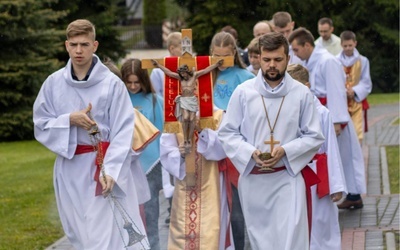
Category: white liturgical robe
<point>88,220</point>
<point>333,45</point>
<point>327,79</point>
<point>274,205</point>
<point>364,87</point>
<point>325,230</point>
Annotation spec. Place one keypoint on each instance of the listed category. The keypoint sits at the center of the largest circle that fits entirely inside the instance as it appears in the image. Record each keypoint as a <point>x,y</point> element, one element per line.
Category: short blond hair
<point>298,72</point>
<point>281,19</point>
<point>253,46</point>
<point>174,39</point>
<point>81,27</point>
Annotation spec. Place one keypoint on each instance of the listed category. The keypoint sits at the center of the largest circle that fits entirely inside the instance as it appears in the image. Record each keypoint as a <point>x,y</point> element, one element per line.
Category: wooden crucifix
<point>188,83</point>
<point>181,101</point>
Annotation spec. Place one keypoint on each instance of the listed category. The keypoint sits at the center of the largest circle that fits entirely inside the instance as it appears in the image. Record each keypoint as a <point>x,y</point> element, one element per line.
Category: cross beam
<point>187,57</point>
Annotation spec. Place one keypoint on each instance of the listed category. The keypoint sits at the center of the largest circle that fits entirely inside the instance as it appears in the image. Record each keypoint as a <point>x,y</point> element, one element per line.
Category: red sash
<point>365,106</point>
<point>231,176</point>
<point>83,149</point>
<point>310,179</point>
<point>322,100</point>
<point>256,170</point>
<point>322,173</point>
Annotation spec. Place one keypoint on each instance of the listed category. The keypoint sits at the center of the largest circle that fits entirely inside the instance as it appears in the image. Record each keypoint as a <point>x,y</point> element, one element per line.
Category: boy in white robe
<point>327,80</point>
<point>325,230</point>
<point>85,96</point>
<point>358,81</point>
<point>273,202</point>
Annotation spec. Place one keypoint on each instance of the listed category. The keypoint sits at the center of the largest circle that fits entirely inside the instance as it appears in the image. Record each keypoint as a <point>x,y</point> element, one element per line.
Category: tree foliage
<point>26,58</point>
<point>154,13</point>
<point>32,39</point>
<point>105,15</point>
<point>375,22</point>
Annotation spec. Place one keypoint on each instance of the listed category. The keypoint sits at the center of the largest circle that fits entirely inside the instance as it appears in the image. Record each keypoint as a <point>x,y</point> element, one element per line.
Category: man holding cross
<point>273,108</point>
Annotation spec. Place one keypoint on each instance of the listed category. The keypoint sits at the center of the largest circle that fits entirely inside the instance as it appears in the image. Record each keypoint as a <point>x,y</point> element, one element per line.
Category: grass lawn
<point>28,213</point>
<point>374,99</point>
<point>392,154</point>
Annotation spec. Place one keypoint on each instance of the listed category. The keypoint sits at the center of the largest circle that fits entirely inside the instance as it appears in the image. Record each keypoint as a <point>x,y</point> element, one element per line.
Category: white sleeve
<point>170,156</point>
<point>364,86</point>
<point>235,146</point>
<point>336,177</point>
<point>50,129</point>
<point>157,80</point>
<point>335,90</point>
<point>168,188</point>
<point>209,145</point>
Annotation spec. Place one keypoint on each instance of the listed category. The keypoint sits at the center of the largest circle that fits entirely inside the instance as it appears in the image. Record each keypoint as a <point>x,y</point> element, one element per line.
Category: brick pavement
<point>369,228</point>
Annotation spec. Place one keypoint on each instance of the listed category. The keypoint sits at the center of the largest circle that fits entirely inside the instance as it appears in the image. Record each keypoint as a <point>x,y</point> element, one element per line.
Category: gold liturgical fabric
<point>144,131</point>
<point>353,74</point>
<point>195,213</point>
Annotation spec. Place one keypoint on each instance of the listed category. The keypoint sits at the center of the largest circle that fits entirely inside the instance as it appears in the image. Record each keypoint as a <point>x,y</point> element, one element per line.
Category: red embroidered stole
<point>205,89</point>
<point>171,90</point>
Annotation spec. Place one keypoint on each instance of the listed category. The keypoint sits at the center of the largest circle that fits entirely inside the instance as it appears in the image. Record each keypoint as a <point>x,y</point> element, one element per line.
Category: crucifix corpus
<point>190,72</point>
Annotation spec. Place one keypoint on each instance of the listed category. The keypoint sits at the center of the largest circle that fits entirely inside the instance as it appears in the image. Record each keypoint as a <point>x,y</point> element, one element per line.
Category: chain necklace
<point>271,129</point>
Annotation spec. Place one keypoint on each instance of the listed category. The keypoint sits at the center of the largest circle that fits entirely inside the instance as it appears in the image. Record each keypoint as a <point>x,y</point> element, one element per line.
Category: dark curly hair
<point>184,68</point>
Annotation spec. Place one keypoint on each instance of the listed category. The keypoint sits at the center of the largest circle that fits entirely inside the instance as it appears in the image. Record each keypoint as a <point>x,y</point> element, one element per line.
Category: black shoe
<point>168,219</point>
<point>348,204</point>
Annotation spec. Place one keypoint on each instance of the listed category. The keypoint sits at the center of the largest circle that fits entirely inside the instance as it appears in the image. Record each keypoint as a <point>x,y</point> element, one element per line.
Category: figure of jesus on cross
<point>182,97</point>
<point>186,103</point>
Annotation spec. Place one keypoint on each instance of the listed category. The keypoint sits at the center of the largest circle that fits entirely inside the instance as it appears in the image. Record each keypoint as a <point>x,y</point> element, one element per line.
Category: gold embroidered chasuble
<point>144,131</point>
<point>195,212</point>
<point>353,74</point>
